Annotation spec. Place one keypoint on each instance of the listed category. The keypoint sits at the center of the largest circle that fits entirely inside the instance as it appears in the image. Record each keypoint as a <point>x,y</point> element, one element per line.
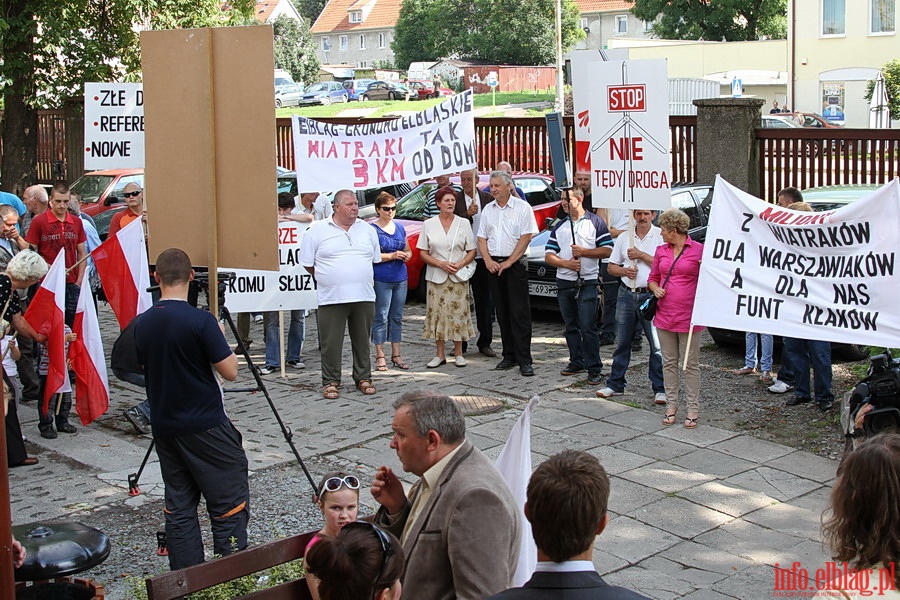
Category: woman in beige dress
<point>447,244</point>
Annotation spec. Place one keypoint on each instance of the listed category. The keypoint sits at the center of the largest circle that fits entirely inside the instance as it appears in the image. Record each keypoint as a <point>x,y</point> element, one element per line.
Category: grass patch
<point>630,403</point>
<point>861,369</point>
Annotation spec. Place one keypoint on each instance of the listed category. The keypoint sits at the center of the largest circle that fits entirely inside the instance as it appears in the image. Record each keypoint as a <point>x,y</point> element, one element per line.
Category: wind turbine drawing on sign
<point>627,125</point>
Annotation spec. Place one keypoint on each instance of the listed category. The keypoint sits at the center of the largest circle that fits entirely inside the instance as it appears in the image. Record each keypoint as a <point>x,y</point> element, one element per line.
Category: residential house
<point>267,11</point>
<point>356,32</point>
<point>605,20</point>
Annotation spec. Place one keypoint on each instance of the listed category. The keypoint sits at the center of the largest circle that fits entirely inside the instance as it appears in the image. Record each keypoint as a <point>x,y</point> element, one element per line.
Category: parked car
<point>820,199</point>
<point>355,87</point>
<point>287,182</point>
<point>385,90</point>
<point>288,95</point>
<point>101,190</point>
<point>324,92</point>
<point>425,89</point>
<point>808,119</point>
<point>694,200</point>
<point>102,220</point>
<point>779,122</point>
<point>539,191</point>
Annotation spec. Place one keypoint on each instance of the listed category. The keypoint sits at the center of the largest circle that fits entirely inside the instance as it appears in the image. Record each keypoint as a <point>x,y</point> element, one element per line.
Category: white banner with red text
<point>829,276</point>
<point>437,140</point>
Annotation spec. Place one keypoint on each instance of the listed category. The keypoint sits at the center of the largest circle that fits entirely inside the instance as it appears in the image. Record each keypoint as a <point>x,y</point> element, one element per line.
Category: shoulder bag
<point>648,306</point>
<point>463,273</point>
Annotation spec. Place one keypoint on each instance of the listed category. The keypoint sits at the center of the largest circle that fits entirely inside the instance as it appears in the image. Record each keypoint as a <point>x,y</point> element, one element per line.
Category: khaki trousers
<point>674,347</point>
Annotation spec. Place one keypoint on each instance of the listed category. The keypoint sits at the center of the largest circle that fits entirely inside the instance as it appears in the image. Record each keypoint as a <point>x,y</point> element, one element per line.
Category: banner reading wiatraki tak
<point>437,140</point>
<point>829,275</point>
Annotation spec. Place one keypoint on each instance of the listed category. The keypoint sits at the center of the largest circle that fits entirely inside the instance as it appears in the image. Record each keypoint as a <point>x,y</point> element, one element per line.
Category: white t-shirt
<point>342,260</point>
<point>503,227</point>
<point>9,364</point>
<point>648,244</point>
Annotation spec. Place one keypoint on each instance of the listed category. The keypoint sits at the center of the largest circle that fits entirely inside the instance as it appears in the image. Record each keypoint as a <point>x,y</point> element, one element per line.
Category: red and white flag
<point>88,361</point>
<point>46,314</point>
<point>122,264</point>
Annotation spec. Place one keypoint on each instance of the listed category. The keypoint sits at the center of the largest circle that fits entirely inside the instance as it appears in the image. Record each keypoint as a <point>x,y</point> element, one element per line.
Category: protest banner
<point>291,287</point>
<point>113,126</point>
<point>582,65</point>
<point>827,276</point>
<point>437,140</point>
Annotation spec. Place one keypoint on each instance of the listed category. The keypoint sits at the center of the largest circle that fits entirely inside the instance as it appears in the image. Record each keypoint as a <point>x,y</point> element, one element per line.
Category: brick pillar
<point>726,143</point>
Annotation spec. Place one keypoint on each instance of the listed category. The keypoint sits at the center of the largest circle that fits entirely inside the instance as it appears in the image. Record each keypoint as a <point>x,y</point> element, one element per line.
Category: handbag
<point>465,272</point>
<point>648,306</point>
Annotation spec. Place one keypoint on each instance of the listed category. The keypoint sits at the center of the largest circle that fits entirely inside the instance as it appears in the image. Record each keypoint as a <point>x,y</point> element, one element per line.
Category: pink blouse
<point>673,313</point>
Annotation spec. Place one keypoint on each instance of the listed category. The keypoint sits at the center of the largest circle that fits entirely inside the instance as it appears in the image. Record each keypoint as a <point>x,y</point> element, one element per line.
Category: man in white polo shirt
<point>339,253</point>
<point>631,259</point>
<point>507,225</point>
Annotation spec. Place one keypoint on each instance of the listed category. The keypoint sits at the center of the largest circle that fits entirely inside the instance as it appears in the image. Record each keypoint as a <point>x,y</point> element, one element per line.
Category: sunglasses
<point>387,546</point>
<point>389,208</point>
<point>132,194</point>
<point>333,484</point>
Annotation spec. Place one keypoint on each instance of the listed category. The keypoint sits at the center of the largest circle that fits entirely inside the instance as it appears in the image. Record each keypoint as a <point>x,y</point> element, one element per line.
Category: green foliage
<point>294,50</point>
<point>310,9</point>
<point>891,70</point>
<point>516,32</point>
<point>723,20</point>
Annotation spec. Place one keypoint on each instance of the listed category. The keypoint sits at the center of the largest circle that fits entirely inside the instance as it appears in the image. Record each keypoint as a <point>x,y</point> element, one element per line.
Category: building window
<point>648,26</point>
<point>883,12</point>
<point>362,42</point>
<point>343,42</point>
<point>583,24</point>
<point>621,23</point>
<point>326,44</point>
<point>833,14</point>
<point>381,40</point>
<point>356,16</point>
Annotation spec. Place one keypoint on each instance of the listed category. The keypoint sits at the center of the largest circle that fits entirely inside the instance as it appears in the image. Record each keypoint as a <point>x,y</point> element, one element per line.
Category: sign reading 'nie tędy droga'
<point>113,126</point>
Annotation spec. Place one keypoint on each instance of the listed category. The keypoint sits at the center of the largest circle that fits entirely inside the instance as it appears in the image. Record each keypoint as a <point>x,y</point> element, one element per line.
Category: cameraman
<point>199,449</point>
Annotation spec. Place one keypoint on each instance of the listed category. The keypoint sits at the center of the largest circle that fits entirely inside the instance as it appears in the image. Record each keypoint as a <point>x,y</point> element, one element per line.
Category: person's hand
<point>574,265</point>
<point>18,554</point>
<point>473,208</point>
<point>491,265</point>
<point>388,491</point>
<point>577,251</point>
<point>631,272</point>
<point>659,292</point>
<point>40,338</point>
<point>450,267</point>
<point>635,254</point>
<point>71,337</point>
<point>503,266</point>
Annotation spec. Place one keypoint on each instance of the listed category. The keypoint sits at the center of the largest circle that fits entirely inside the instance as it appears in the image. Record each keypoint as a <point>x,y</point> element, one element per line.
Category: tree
<point>723,20</point>
<point>310,9</point>
<point>294,50</point>
<point>51,47</point>
<point>891,70</point>
<point>409,43</point>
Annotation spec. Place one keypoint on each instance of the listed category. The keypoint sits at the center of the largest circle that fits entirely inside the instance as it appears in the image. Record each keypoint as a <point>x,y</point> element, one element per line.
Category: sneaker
<point>138,420</point>
<point>660,398</point>
<point>47,432</point>
<point>258,319</point>
<point>595,378</point>
<point>744,371</point>
<point>825,405</point>
<point>608,392</point>
<point>66,428</point>
<point>780,387</point>
<point>767,377</point>
<point>267,370</point>
<point>571,369</point>
<point>297,364</point>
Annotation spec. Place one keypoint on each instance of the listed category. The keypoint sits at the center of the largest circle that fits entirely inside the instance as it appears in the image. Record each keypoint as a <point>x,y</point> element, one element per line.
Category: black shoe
<point>66,428</point>
<point>505,364</point>
<point>488,351</point>
<point>797,400</point>
<point>526,371</point>
<point>595,378</point>
<point>138,420</point>
<point>571,369</point>
<point>825,405</point>
<point>47,432</point>
<point>636,346</point>
<point>607,341</point>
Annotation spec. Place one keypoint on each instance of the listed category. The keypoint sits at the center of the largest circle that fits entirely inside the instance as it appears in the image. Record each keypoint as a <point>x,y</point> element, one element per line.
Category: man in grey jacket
<point>459,526</point>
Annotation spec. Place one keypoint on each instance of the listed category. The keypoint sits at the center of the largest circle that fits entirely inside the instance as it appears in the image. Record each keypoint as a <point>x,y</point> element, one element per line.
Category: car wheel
<point>391,96</point>
<point>852,351</point>
<point>277,103</point>
<point>364,98</point>
<point>345,99</point>
<point>326,101</point>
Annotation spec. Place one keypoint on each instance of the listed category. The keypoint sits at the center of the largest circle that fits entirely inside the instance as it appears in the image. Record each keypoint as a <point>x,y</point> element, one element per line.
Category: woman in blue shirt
<point>390,283</point>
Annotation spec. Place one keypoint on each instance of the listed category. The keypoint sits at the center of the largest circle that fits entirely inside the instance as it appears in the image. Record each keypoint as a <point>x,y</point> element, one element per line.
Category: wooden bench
<point>176,584</point>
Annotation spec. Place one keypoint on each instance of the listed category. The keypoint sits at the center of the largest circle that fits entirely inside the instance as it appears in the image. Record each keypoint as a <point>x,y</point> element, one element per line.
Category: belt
<point>638,290</point>
<point>499,258</point>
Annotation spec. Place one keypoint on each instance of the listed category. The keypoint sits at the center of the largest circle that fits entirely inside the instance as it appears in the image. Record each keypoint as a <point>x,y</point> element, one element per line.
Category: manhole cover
<point>477,405</point>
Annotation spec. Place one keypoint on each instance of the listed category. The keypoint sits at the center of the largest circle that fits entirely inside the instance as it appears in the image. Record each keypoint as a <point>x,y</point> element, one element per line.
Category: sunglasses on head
<point>389,207</point>
<point>333,484</point>
<point>387,546</point>
<point>131,194</point>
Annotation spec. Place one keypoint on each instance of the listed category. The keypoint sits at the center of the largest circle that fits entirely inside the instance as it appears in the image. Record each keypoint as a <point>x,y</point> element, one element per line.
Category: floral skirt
<point>447,315</point>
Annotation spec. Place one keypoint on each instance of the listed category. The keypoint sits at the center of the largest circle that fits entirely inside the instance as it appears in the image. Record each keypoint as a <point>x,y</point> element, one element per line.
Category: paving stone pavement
<point>699,514</point>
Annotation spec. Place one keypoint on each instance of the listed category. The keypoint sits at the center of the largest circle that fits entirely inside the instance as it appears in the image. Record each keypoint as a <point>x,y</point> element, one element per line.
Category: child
<point>64,399</point>
<point>16,454</point>
<point>338,498</point>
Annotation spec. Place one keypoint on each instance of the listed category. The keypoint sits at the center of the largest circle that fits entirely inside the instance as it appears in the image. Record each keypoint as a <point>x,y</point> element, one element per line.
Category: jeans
<point>628,320</point>
<point>390,297</point>
<point>137,379</point>
<point>802,354</point>
<point>294,339</point>
<point>578,307</point>
<point>765,360</point>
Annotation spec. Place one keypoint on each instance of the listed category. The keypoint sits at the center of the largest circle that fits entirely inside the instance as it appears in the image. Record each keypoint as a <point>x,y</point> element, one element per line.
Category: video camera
<point>881,390</point>
<point>200,284</point>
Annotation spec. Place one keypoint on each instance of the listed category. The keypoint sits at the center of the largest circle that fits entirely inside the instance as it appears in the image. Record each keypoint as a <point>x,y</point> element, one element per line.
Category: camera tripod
<point>224,314</point>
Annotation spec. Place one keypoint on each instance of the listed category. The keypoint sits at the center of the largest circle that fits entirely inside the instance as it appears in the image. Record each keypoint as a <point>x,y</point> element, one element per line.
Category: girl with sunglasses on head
<point>338,498</point>
<point>362,562</point>
<point>390,282</point>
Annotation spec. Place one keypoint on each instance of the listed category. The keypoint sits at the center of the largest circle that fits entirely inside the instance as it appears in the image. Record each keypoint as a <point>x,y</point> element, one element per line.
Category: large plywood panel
<point>210,144</point>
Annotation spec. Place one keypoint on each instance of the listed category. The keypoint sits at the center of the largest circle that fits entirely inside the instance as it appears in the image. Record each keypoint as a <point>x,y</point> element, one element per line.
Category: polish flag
<point>122,263</point>
<point>46,314</point>
<point>88,360</point>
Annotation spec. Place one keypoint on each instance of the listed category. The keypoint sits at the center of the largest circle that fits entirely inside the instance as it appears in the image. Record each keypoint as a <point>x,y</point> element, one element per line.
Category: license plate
<point>537,288</point>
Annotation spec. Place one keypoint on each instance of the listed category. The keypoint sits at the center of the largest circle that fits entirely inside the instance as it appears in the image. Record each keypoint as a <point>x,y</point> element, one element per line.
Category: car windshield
<point>317,87</point>
<point>412,205</point>
<point>90,187</point>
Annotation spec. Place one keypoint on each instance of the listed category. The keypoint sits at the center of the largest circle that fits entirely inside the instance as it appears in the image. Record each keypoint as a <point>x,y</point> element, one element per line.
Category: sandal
<point>690,423</point>
<point>366,387</point>
<point>744,371</point>
<point>331,391</point>
<point>398,362</point>
<point>669,419</point>
<point>28,462</point>
<point>380,366</point>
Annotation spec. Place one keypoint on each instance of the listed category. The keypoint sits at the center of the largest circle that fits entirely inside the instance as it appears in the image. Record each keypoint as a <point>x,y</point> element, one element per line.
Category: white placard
<point>582,62</point>
<point>289,288</point>
<point>629,133</point>
<point>437,140</point>
<point>814,275</point>
<point>113,126</point>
